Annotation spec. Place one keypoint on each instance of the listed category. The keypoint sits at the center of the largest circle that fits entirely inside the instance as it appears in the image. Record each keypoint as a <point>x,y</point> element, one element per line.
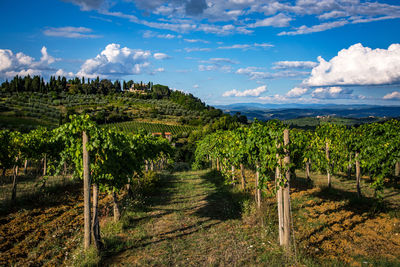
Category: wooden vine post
<point>286,192</point>
<point>308,164</point>
<point>242,176</point>
<point>358,174</point>
<point>279,198</point>
<point>328,164</point>
<point>14,185</point>
<point>95,220</point>
<point>258,190</point>
<point>397,169</point>
<point>86,191</point>
<point>283,196</point>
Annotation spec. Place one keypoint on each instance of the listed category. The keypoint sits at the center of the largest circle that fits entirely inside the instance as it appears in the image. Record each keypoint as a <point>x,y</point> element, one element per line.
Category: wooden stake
<point>308,163</point>
<point>95,219</point>
<point>358,174</point>
<point>86,192</point>
<point>258,191</point>
<point>286,193</point>
<point>117,213</point>
<point>243,177</point>
<point>279,199</point>
<point>328,165</point>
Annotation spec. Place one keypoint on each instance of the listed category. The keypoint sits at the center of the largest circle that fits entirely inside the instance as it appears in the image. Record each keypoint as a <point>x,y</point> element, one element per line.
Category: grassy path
<point>192,221</point>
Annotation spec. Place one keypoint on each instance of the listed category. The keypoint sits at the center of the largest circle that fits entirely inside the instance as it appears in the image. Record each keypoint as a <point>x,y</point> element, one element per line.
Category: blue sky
<point>267,51</point>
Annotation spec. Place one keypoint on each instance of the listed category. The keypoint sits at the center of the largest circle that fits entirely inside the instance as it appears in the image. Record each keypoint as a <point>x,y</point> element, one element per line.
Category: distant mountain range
<point>293,111</point>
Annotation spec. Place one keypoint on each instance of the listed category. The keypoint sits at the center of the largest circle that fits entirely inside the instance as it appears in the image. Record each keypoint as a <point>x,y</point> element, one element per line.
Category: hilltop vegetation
<point>27,102</point>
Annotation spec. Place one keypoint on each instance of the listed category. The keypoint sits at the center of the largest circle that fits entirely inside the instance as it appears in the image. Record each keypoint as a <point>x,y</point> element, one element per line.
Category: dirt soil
<point>44,234</point>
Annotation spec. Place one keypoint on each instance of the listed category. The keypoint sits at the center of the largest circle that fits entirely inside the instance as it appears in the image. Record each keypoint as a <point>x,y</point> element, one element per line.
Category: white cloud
<point>207,67</point>
<point>197,49</point>
<point>223,68</point>
<point>358,65</point>
<point>395,95</point>
<point>114,60</point>
<point>158,70</point>
<point>246,46</point>
<point>280,20</point>
<point>256,73</point>
<point>196,41</point>
<point>151,34</point>
<point>296,92</point>
<point>294,65</point>
<point>87,5</point>
<point>223,60</point>
<point>251,92</point>
<point>316,28</point>
<point>240,16</point>
<point>20,64</point>
<point>196,86</point>
<point>70,32</point>
<point>334,92</point>
<point>274,98</point>
<point>160,56</point>
<point>63,73</point>
<point>332,14</point>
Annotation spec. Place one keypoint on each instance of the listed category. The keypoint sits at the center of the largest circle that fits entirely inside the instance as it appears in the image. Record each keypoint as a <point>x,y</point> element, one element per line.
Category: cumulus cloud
<point>20,64</point>
<point>70,32</point>
<point>160,56</point>
<point>251,92</point>
<point>116,60</point>
<point>294,65</point>
<point>62,73</point>
<point>395,95</point>
<point>358,65</point>
<point>334,92</point>
<point>296,92</point>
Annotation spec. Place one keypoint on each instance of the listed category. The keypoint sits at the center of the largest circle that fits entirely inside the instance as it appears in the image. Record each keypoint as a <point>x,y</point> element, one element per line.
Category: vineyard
<point>264,192</point>
<point>25,111</point>
<point>135,126</point>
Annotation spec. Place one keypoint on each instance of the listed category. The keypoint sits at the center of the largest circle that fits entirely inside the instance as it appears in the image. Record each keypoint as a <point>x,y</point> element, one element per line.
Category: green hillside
<point>27,103</point>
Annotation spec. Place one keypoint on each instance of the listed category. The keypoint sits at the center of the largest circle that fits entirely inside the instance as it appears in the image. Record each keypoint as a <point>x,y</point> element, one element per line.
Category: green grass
<point>194,219</point>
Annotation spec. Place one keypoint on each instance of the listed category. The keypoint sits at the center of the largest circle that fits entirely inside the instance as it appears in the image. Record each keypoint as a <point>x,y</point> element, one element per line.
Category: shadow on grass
<point>218,202</point>
<point>301,184</point>
<point>225,202</point>
<point>140,202</point>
